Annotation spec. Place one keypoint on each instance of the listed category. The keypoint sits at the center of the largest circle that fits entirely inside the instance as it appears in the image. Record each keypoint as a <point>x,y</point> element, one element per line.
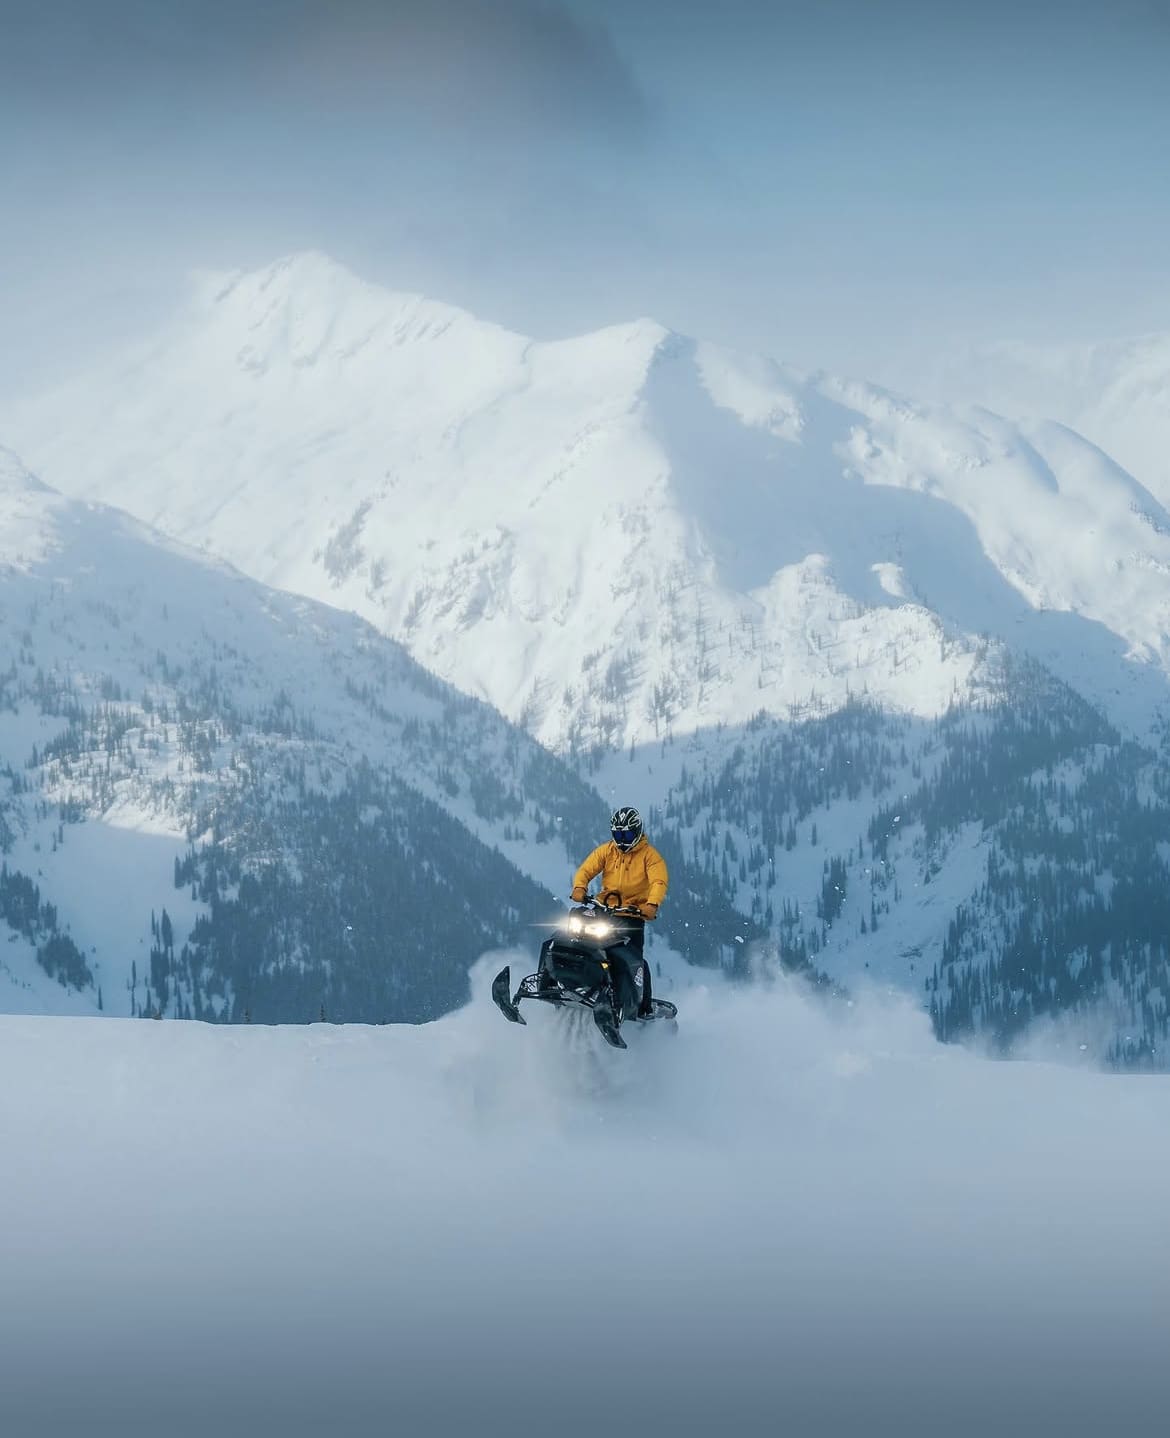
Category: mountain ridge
<point>476,495</point>
<point>1115,392</point>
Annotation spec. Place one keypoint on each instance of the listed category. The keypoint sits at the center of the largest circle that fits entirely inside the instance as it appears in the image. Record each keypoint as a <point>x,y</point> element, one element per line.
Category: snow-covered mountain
<point>219,799</point>
<point>875,669</point>
<point>623,535</point>
<point>1116,393</point>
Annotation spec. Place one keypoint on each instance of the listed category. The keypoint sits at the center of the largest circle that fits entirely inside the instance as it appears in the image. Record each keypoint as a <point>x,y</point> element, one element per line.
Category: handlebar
<point>626,910</point>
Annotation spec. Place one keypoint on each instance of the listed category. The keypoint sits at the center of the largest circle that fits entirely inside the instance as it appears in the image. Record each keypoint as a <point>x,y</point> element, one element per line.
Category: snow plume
<point>1085,1037</point>
<point>793,1215</point>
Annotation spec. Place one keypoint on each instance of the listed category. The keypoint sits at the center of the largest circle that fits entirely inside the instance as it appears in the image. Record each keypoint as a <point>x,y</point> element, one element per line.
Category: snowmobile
<point>579,966</point>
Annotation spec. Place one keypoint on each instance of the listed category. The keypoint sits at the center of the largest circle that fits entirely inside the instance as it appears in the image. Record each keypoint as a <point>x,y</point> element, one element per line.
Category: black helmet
<point>626,827</point>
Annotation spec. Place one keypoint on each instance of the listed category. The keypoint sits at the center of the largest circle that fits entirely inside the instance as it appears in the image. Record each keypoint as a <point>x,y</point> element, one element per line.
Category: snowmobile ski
<point>661,1009</point>
<point>502,993</point>
<point>607,1021</point>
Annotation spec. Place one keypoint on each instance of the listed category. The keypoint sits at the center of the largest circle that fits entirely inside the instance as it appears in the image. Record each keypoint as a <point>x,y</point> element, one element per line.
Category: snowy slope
<point>789,1218</point>
<point>1115,393</point>
<point>621,535</point>
<point>152,699</point>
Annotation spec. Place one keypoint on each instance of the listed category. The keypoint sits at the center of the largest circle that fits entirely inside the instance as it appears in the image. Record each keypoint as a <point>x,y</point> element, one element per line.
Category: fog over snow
<point>791,1216</point>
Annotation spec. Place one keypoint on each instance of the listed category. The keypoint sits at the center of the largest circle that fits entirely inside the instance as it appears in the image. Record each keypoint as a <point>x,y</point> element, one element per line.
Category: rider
<point>633,876</point>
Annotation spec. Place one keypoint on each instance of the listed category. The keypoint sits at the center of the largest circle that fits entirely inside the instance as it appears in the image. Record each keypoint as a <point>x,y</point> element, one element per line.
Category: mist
<point>862,186</point>
<point>791,1214</point>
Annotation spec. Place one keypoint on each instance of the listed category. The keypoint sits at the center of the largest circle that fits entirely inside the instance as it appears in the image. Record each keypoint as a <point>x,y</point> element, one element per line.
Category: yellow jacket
<point>638,875</point>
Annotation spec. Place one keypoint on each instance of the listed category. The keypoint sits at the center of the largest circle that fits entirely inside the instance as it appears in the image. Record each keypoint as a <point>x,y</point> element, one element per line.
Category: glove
<point>578,894</point>
<point>648,910</point>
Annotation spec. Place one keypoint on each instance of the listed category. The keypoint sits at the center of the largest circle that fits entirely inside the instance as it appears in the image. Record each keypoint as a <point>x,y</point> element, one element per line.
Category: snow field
<point>790,1216</point>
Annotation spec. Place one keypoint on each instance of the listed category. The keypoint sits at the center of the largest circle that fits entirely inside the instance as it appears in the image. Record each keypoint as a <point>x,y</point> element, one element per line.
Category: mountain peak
<point>304,275</point>
<point>306,310</point>
<point>509,509</point>
<point>1114,392</point>
<point>15,479</point>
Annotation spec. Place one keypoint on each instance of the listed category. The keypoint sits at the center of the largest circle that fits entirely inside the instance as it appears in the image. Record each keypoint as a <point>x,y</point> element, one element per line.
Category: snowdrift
<point>791,1216</point>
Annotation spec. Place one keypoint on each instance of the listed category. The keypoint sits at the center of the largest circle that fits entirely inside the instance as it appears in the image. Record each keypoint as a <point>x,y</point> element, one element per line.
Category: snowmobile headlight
<point>574,925</point>
<point>599,930</point>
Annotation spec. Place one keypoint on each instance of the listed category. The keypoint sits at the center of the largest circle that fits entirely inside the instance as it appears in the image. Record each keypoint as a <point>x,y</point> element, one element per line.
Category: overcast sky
<point>841,182</point>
